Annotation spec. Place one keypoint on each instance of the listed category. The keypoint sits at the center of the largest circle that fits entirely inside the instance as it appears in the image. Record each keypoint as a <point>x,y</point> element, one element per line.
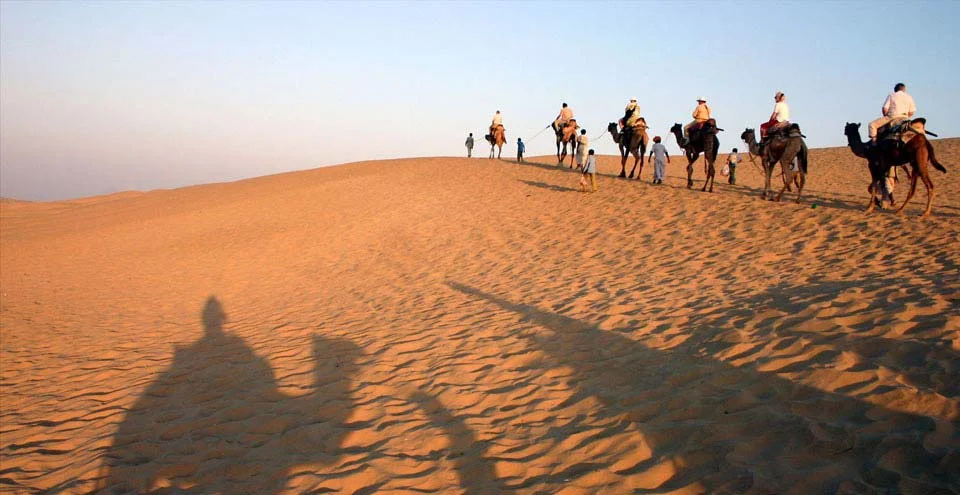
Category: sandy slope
<point>445,325</point>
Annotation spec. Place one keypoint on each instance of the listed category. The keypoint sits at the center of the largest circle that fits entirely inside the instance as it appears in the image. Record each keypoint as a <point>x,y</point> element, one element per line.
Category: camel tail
<point>933,158</point>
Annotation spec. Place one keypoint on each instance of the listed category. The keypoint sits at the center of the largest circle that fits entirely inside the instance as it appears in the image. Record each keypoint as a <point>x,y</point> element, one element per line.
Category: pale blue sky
<point>108,96</point>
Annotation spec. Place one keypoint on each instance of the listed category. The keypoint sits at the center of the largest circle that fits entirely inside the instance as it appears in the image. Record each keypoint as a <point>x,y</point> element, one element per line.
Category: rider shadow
<point>551,187</point>
<point>736,429</point>
<point>215,421</point>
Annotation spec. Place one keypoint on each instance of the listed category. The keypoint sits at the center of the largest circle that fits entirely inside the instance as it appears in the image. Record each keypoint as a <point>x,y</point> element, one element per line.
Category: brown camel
<point>912,148</point>
<point>637,146</point>
<point>782,148</point>
<point>497,138</point>
<point>566,135</point>
<point>703,140</point>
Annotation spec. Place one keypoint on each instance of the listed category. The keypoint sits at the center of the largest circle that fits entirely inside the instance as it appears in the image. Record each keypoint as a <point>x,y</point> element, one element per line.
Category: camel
<point>914,148</point>
<point>497,138</point>
<point>637,146</point>
<point>566,135</point>
<point>781,149</point>
<point>705,140</point>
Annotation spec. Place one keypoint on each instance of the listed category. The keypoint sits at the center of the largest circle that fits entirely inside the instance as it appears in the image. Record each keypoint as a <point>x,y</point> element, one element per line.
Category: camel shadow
<point>477,473</point>
<point>737,429</point>
<point>215,421</point>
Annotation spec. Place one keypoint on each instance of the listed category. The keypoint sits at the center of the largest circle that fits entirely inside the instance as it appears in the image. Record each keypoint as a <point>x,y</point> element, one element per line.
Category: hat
<point>778,95</point>
<point>700,98</point>
<point>633,98</point>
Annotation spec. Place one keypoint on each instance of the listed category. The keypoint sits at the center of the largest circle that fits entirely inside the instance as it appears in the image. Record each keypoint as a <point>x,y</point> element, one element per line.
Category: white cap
<point>633,98</point>
<point>700,98</point>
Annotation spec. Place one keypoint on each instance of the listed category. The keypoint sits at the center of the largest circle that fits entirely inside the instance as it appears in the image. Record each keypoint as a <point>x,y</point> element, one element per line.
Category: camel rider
<point>630,116</point>
<point>497,122</point>
<point>779,119</point>
<point>565,116</point>
<point>701,114</point>
<point>898,106</point>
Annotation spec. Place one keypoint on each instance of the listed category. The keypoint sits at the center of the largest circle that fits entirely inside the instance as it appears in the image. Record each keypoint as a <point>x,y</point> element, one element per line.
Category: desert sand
<point>454,325</point>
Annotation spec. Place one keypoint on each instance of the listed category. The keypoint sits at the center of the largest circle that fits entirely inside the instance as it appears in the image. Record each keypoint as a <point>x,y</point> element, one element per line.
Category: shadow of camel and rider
<point>216,422</point>
<point>749,429</point>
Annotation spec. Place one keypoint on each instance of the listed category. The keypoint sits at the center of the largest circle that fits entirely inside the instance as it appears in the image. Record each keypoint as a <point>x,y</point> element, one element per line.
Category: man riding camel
<point>631,114</point>
<point>565,116</point>
<point>779,119</point>
<point>701,114</point>
<point>898,106</point>
<point>497,122</point>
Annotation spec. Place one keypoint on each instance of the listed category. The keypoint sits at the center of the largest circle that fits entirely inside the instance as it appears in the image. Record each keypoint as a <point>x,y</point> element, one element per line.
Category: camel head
<point>852,130</point>
<point>612,127</point>
<point>677,128</point>
<point>748,136</point>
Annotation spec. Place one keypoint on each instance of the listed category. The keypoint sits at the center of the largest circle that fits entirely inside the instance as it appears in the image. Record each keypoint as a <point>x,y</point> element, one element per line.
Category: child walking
<point>520,149</point>
<point>658,153</point>
<point>732,161</point>
<point>589,173</point>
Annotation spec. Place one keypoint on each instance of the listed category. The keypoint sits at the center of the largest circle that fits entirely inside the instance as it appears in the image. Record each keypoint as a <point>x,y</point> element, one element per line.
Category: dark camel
<point>566,135</point>
<point>782,148</point>
<point>887,153</point>
<point>497,138</point>
<point>703,140</point>
<point>637,146</point>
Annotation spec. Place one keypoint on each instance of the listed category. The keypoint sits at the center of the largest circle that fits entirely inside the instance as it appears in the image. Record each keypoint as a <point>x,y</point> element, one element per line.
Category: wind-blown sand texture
<point>445,325</point>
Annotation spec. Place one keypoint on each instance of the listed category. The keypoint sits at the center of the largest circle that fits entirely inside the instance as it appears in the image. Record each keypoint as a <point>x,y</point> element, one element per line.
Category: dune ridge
<point>453,325</point>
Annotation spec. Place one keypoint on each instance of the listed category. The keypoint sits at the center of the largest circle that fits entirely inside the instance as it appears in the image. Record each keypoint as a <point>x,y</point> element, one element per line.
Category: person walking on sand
<point>660,157</point>
<point>520,149</point>
<point>589,173</point>
<point>583,143</point>
<point>732,162</point>
<point>469,145</point>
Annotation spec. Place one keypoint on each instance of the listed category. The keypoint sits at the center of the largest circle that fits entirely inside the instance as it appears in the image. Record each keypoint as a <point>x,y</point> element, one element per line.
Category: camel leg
<point>623,162</point>
<point>706,173</point>
<point>801,180</point>
<point>634,169</point>
<point>690,172</point>
<point>929,183</point>
<point>767,172</point>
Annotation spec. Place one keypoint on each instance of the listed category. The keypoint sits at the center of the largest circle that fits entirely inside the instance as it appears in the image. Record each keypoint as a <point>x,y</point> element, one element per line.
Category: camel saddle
<point>901,129</point>
<point>789,130</point>
<point>569,129</point>
<point>638,127</point>
<point>696,130</point>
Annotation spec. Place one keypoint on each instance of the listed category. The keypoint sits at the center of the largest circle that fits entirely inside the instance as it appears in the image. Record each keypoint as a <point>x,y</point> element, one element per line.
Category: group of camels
<point>785,147</point>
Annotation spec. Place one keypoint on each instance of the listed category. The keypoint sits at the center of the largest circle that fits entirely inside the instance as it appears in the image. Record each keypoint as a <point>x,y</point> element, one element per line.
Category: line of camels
<point>908,146</point>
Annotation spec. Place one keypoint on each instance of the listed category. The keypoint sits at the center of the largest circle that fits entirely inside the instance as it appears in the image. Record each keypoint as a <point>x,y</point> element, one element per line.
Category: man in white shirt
<point>496,122</point>
<point>779,118</point>
<point>898,106</point>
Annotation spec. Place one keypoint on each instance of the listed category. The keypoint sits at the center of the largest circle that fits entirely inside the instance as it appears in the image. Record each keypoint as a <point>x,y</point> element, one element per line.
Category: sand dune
<point>453,325</point>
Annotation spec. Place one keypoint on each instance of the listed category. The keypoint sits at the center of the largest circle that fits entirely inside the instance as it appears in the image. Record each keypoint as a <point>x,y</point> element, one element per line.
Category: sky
<point>101,97</point>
